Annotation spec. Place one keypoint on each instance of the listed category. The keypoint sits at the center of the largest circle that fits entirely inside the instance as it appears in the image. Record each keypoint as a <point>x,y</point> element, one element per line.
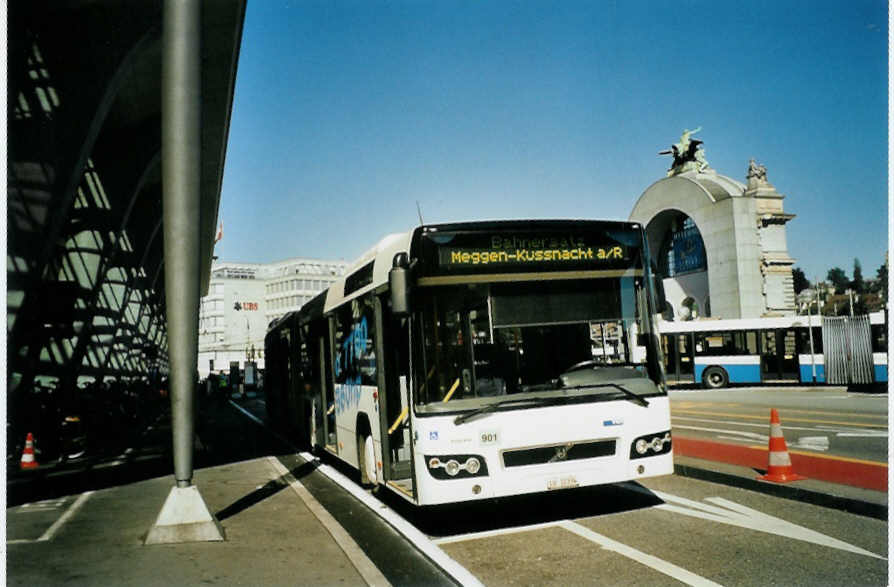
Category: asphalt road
<point>661,531</point>
<point>673,530</point>
<point>831,423</point>
<point>656,532</point>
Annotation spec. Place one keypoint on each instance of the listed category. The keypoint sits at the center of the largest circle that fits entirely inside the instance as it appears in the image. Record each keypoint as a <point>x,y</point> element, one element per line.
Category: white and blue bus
<point>477,360</point>
<point>838,350</point>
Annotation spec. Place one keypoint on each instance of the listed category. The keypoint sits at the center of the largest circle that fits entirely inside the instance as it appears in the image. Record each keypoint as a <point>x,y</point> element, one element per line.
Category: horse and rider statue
<point>687,154</point>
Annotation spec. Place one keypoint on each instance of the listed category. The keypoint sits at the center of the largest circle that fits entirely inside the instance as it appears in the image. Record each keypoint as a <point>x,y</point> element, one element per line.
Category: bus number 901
<point>488,438</point>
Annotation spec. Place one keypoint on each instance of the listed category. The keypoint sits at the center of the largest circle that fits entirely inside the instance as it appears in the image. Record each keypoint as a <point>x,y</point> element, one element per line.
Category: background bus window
<point>726,343</point>
<point>879,338</point>
<point>803,335</point>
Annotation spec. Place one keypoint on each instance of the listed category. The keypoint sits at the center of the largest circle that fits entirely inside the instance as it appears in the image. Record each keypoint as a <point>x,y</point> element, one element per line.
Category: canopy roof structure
<point>85,256</point>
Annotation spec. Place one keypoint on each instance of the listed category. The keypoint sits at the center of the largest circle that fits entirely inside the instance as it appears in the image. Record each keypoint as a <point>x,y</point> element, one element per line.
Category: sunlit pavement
<point>837,439</point>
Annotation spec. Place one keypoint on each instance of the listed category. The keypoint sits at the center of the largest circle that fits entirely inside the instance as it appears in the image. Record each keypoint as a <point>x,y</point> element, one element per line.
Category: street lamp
<point>808,296</point>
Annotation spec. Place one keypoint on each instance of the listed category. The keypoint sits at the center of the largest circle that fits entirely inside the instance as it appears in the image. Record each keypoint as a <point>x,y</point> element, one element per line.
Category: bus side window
<point>879,338</point>
<point>744,343</point>
<point>751,342</point>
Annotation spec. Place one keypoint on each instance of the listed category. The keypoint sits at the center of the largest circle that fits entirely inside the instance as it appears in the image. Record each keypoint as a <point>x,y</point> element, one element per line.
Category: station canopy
<point>85,254</point>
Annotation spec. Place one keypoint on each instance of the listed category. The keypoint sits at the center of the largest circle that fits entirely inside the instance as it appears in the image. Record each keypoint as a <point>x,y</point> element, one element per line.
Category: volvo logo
<point>561,452</point>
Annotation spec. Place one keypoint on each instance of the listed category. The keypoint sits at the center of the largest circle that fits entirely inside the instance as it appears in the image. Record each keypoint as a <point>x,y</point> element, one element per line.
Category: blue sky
<point>348,113</point>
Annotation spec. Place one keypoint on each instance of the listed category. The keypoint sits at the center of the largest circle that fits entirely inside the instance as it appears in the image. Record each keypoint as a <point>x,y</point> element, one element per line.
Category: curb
<point>847,504</point>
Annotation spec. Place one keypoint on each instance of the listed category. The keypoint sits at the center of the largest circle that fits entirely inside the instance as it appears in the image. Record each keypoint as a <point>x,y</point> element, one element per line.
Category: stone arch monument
<point>719,244</point>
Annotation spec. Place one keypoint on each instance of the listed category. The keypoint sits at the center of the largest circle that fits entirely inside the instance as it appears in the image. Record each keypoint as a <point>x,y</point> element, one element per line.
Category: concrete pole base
<point>184,518</point>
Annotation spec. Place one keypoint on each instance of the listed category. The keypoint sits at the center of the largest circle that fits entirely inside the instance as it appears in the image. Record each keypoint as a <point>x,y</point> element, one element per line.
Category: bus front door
<point>393,344</point>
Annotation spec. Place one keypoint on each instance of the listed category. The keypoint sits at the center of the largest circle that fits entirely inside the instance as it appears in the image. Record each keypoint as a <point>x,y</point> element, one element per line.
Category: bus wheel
<point>715,378</point>
<point>366,459</point>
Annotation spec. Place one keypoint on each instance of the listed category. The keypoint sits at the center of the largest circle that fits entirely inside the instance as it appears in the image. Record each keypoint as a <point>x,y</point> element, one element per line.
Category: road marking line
<point>746,435</point>
<point>51,531</point>
<point>417,538</point>
<point>247,413</point>
<point>838,429</point>
<point>735,514</point>
<point>696,406</point>
<point>367,569</point>
<point>831,457</point>
<point>653,562</point>
<point>491,533</point>
<point>819,443</point>
<point>787,419</point>
<point>807,411</point>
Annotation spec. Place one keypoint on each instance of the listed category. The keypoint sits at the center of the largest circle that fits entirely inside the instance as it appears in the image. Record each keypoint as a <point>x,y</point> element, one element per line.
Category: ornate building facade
<point>720,245</point>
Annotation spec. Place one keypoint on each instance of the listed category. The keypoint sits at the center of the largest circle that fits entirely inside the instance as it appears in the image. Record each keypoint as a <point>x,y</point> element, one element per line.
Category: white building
<point>243,298</point>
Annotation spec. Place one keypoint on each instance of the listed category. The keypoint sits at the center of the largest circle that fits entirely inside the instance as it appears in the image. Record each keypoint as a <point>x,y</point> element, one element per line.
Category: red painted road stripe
<point>833,470</point>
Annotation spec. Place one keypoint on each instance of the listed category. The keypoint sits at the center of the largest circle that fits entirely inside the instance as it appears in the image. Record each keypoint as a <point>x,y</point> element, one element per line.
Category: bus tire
<point>366,460</point>
<point>715,378</point>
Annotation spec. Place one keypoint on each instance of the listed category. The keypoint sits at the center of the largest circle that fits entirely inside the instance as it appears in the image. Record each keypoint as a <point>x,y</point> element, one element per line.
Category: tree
<point>838,278</point>
<point>799,280</point>
<point>881,277</point>
<point>857,284</point>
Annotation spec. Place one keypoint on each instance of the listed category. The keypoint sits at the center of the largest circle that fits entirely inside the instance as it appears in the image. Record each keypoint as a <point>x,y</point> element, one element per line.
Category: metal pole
<point>810,330</point>
<point>181,179</point>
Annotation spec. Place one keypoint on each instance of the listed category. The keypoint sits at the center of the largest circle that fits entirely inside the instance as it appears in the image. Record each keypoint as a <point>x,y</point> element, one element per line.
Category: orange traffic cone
<point>779,469</point>
<point>28,460</point>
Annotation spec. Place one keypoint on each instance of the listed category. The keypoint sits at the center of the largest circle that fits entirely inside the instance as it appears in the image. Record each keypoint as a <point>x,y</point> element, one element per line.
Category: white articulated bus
<point>841,350</point>
<point>478,360</point>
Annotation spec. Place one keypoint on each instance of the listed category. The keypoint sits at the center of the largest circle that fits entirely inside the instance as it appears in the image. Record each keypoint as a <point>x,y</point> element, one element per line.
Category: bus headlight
<point>651,445</point>
<point>456,466</point>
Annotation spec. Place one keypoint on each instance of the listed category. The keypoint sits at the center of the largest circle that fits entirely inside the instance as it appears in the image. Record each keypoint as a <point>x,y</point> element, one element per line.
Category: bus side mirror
<point>399,284</point>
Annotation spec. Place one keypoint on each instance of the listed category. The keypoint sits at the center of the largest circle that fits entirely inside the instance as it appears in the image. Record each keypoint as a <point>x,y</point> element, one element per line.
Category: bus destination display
<point>507,250</point>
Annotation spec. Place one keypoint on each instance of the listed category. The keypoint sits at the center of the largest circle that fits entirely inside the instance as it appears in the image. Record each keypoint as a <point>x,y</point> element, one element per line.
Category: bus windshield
<point>561,339</point>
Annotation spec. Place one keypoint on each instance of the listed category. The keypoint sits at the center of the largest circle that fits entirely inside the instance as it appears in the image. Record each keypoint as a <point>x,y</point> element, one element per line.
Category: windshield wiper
<point>630,395</point>
<point>506,402</point>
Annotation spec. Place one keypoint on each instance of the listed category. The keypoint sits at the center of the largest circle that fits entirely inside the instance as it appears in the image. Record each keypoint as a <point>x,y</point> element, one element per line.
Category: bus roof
<point>370,270</point>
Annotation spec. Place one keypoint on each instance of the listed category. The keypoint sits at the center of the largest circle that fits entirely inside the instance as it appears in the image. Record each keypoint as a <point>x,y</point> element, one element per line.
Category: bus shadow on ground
<point>524,510</point>
<point>510,512</point>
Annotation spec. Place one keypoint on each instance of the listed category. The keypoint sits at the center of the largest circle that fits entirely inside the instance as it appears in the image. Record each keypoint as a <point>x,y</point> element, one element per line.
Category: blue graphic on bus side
<point>347,396</point>
<point>347,361</point>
